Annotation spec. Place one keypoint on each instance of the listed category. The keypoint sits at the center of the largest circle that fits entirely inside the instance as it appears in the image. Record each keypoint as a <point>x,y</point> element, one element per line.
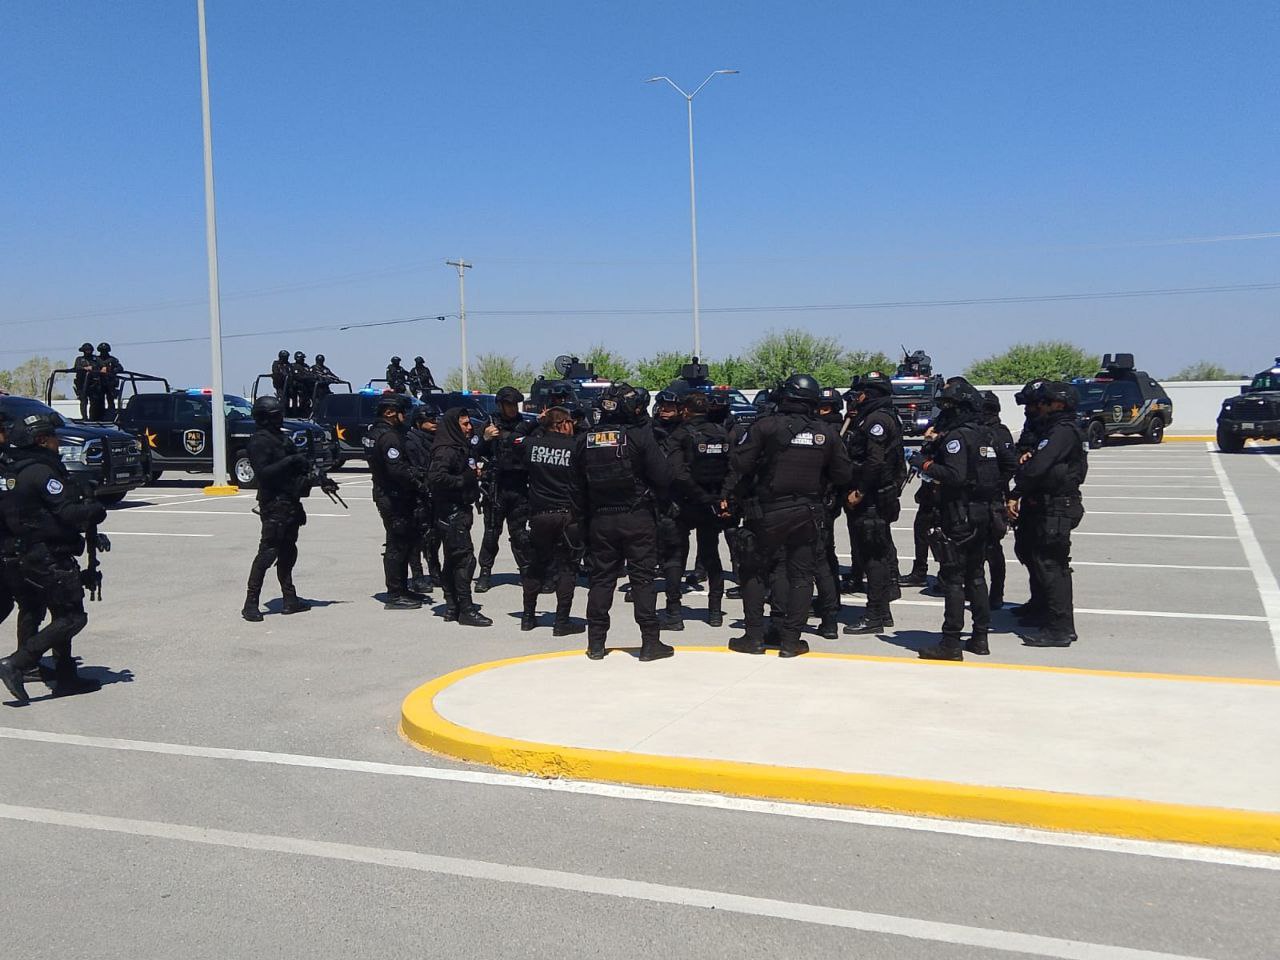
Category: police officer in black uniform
<point>397,376</point>
<point>322,376</point>
<point>673,543</point>
<point>284,479</point>
<point>419,441</point>
<point>1003,439</point>
<point>698,451</point>
<point>1048,495</point>
<point>509,503</point>
<point>86,374</point>
<point>626,475</point>
<point>10,577</point>
<point>395,493</point>
<point>281,369</point>
<point>964,463</point>
<point>879,470</point>
<point>554,459</point>
<point>48,515</point>
<point>106,388</point>
<point>827,572</point>
<point>420,379</point>
<point>1026,535</point>
<point>302,384</point>
<point>793,459</point>
<point>454,477</point>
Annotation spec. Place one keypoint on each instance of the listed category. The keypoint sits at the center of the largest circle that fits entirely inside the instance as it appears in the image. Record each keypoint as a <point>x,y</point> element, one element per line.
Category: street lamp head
<point>655,79</point>
<point>728,71</point>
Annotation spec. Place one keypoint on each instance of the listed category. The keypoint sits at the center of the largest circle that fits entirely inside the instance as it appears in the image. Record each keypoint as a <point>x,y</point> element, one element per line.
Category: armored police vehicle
<point>109,461</point>
<point>916,389</point>
<point>697,376</point>
<point>1122,401</point>
<point>176,429</point>
<point>577,379</point>
<point>1253,415</point>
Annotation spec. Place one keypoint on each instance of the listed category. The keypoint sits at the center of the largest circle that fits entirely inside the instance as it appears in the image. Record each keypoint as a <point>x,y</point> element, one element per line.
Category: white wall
<point>1195,404</point>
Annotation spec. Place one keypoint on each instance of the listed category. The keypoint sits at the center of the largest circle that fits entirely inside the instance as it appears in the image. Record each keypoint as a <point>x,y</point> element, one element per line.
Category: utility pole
<point>462,267</point>
<point>218,421</point>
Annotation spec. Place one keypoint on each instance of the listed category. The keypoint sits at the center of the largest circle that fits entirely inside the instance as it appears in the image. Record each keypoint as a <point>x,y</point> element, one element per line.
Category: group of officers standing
<point>96,382</point>
<point>299,384</point>
<point>623,492</point>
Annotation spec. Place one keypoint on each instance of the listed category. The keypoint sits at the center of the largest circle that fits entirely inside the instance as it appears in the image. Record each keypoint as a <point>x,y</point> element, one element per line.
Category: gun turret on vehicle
<point>1122,400</point>
<point>916,389</point>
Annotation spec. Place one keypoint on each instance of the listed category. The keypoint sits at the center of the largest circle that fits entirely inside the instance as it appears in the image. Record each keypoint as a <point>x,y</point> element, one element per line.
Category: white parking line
<point>1270,461</point>
<point>1090,485</point>
<point>1158,536</point>
<point>1263,576</point>
<point>715,801</point>
<point>178,503</point>
<point>1150,566</point>
<point>228,513</point>
<point>136,533</point>
<point>908,927</point>
<point>1150,513</point>
<point>1188,499</point>
<point>1162,614</point>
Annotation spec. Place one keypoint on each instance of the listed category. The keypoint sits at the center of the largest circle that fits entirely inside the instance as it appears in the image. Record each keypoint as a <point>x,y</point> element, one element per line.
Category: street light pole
<point>693,202</point>
<point>462,266</point>
<point>218,420</point>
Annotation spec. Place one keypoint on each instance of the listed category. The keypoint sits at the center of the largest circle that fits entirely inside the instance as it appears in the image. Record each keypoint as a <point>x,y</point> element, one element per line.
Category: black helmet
<point>299,356</point>
<point>667,395</point>
<point>1033,392</point>
<point>283,355</point>
<point>86,348</point>
<point>104,347</point>
<point>31,428</point>
<point>418,360</point>
<point>559,388</point>
<point>875,384</point>
<point>802,388</point>
<point>507,394</point>
<point>1055,391</point>
<point>396,402</point>
<point>395,359</point>
<point>424,412</point>
<point>619,403</point>
<point>990,401</point>
<point>829,397</point>
<point>319,358</point>
<point>268,410</point>
<point>642,398</point>
<point>960,393</point>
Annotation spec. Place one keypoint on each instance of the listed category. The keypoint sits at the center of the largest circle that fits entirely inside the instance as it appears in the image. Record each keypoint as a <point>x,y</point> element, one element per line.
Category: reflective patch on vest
<point>368,442</point>
<point>743,439</point>
<point>54,486</point>
<point>819,438</point>
<point>711,449</point>
<point>606,438</point>
<point>552,456</point>
<point>802,440</point>
<point>1042,444</point>
<point>987,453</point>
<point>953,446</point>
<point>877,430</point>
<point>393,454</point>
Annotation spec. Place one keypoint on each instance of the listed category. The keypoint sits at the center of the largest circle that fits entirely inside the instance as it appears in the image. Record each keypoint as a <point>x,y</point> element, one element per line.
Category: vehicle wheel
<point>242,470</point>
<point>156,475</point>
<point>1155,431</point>
<point>110,499</point>
<point>1096,434</point>
<point>1229,442</point>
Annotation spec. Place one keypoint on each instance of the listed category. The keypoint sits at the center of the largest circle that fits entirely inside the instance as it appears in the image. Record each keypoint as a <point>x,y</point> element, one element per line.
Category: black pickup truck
<point>1253,415</point>
<point>175,428</point>
<point>112,461</point>
<point>1121,400</point>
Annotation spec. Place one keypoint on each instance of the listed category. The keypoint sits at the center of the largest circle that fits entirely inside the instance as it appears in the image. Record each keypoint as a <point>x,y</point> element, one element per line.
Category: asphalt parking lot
<point>239,789</point>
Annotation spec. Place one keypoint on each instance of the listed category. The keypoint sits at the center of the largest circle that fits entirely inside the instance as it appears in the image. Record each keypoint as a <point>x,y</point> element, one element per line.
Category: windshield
<point>1266,381</point>
<point>236,406</point>
<point>909,389</point>
<point>1091,393</point>
<point>19,408</point>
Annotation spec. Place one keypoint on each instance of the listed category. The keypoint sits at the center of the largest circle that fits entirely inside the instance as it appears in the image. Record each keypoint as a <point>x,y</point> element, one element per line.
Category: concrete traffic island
<point>1149,756</point>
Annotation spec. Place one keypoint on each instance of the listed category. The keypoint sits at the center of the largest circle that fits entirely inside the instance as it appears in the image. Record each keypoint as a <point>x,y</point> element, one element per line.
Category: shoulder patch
<point>1042,444</point>
<point>819,438</point>
<point>743,439</point>
<point>367,441</point>
<point>54,486</point>
<point>804,439</point>
<point>606,438</point>
<point>953,446</point>
<point>393,453</point>
<point>877,430</point>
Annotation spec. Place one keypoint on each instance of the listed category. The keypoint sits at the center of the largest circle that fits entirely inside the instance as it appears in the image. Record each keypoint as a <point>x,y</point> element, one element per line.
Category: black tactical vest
<point>611,476</point>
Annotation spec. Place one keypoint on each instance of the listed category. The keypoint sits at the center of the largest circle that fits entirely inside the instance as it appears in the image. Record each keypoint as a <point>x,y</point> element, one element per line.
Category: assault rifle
<point>328,486</point>
<point>95,543</point>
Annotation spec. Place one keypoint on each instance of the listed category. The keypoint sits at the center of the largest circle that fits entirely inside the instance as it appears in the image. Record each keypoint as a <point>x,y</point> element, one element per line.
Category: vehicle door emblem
<point>193,442</point>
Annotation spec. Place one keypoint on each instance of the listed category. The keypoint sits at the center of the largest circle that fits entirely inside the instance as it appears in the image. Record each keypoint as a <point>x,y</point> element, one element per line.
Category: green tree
<point>777,356</point>
<point>733,372</point>
<point>28,378</point>
<point>655,372</point>
<point>1028,361</point>
<point>1206,370</point>
<point>491,372</point>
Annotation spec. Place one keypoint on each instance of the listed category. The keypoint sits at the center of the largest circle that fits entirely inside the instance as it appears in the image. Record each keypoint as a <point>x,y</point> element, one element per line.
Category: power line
<point>672,311</point>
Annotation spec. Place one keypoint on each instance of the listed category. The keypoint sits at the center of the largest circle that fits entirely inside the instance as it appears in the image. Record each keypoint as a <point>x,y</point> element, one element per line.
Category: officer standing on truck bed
<point>85,380</point>
<point>48,515</point>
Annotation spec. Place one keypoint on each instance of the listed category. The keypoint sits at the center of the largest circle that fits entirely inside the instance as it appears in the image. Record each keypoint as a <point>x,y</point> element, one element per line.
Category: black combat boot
<point>673,617</point>
<point>528,620</point>
<point>421,584</point>
<point>67,682</point>
<point>852,585</point>
<point>715,616</point>
<point>792,648</point>
<point>827,629</point>
<point>746,645</point>
<point>595,648</point>
<point>293,603</point>
<point>948,649</point>
<point>977,644</point>
<point>918,577</point>
<point>474,618</point>
<point>401,601</point>
<point>564,627</point>
<point>1049,638</point>
<point>250,609</point>
<point>868,625</point>
<point>655,649</point>
<point>12,677</point>
<point>482,581</point>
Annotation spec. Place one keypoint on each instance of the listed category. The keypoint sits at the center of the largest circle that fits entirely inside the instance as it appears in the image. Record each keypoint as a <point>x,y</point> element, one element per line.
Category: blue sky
<point>867,152</point>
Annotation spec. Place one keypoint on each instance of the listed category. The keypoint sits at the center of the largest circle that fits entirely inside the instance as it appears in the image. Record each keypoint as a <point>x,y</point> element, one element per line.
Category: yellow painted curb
<point>1188,438</point>
<point>424,727</point>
